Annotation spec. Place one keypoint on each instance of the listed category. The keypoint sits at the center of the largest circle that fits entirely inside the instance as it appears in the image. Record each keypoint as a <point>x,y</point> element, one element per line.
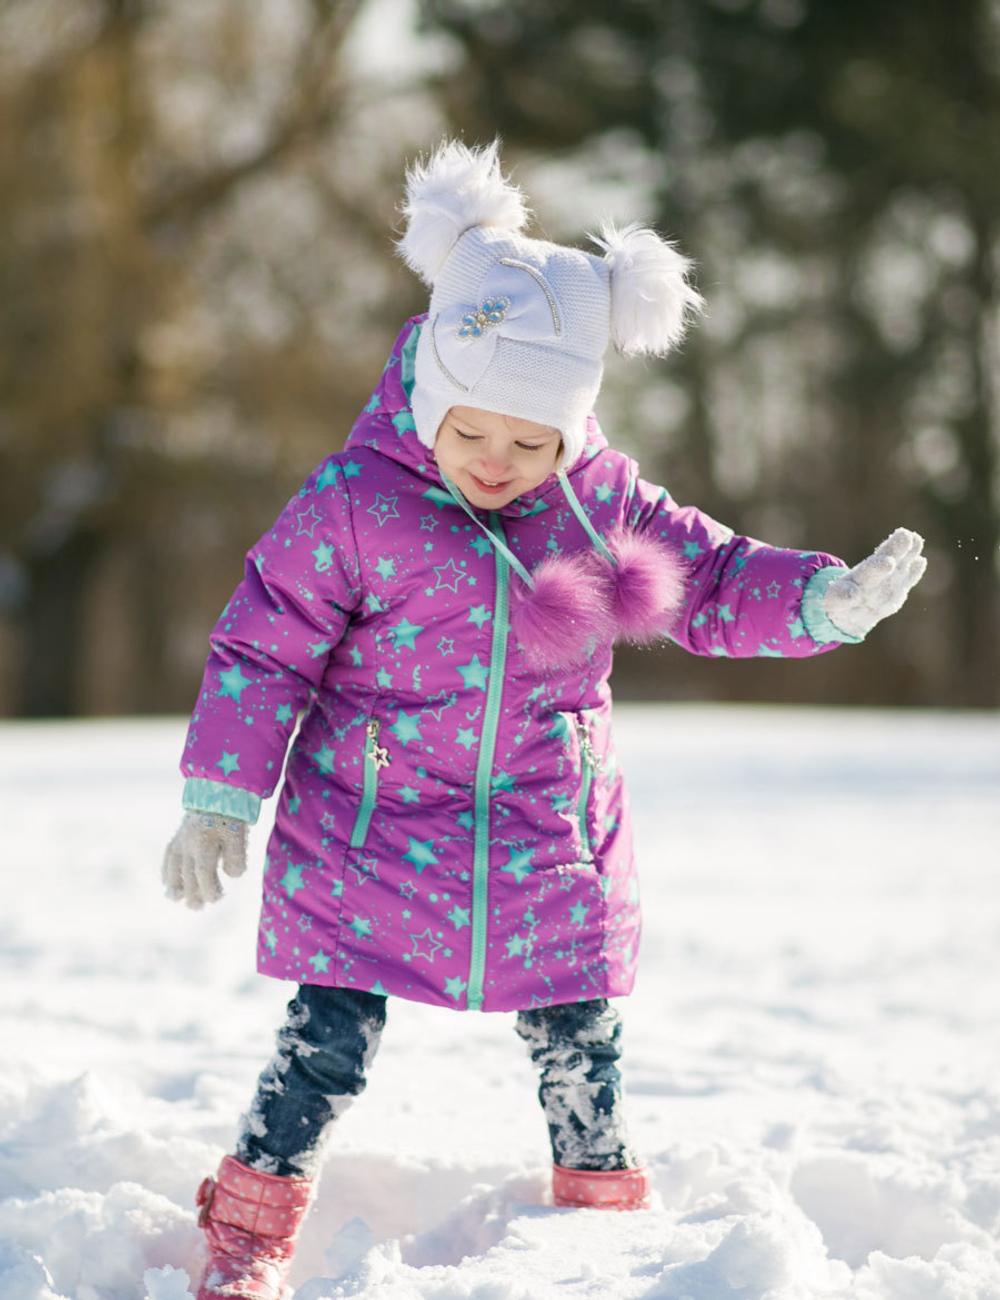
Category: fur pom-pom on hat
<point>520,326</point>
<point>651,299</point>
<point>457,188</point>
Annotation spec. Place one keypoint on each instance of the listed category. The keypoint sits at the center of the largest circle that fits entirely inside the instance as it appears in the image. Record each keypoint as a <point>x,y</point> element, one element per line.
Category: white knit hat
<point>519,326</point>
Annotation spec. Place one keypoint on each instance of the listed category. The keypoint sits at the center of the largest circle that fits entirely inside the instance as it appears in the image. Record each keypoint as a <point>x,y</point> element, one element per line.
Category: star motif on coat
<point>449,576</point>
<point>420,854</point>
<point>726,614</point>
<point>383,678</point>
<point>460,916</point>
<point>465,737</point>
<point>352,469</point>
<point>283,714</point>
<point>796,629</point>
<point>319,648</point>
<point>425,945</point>
<point>519,865</point>
<point>446,646</point>
<point>480,544</point>
<point>455,987</point>
<point>307,522</point>
<point>233,683</point>
<point>292,879</point>
<point>362,927</point>
<point>356,656</point>
<point>692,550</point>
<point>364,870</point>
<point>319,961</point>
<point>604,492</point>
<point>428,523</point>
<point>323,555</point>
<point>479,615</point>
<point>407,888</point>
<point>474,674</point>
<point>516,946</point>
<point>386,567</point>
<point>323,758</point>
<point>578,914</point>
<point>437,704</point>
<point>408,794</point>
<point>405,634</point>
<point>328,476</point>
<point>229,763</point>
<point>384,508</point>
<point>773,589</point>
<point>406,727</point>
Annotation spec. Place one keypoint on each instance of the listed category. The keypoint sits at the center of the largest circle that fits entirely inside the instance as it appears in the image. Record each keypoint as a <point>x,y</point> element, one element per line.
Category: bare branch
<point>311,108</point>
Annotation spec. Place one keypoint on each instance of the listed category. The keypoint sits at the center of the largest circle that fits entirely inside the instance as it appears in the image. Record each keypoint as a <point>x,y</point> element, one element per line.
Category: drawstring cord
<point>572,500</point>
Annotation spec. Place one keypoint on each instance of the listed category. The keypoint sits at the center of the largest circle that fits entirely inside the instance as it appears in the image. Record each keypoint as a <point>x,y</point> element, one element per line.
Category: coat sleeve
<point>270,648</point>
<point>743,598</point>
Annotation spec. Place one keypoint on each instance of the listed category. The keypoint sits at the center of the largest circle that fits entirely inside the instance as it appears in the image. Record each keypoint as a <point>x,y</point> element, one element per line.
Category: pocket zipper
<point>376,757</point>
<point>589,764</point>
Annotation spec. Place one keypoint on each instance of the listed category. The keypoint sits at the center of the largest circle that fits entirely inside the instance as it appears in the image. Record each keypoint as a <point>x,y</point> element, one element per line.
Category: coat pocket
<point>590,765</point>
<point>376,757</point>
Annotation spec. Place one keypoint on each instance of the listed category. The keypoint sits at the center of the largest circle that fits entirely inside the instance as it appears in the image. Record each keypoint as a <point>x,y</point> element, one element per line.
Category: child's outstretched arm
<point>269,652</point>
<point>745,598</point>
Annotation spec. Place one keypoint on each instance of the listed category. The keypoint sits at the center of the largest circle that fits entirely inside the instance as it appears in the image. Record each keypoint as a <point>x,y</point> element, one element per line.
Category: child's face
<point>494,458</point>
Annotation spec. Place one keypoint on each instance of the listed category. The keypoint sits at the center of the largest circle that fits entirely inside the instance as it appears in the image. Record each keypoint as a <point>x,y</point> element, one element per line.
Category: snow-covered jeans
<point>330,1037</point>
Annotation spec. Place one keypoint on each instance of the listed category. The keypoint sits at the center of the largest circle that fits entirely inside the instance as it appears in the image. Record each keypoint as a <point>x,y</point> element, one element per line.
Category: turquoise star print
<point>474,673</point>
<point>233,682</point>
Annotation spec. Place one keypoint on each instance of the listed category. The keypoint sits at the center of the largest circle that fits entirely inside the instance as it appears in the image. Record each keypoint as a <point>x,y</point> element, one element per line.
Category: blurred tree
<point>835,169</point>
<point>191,195</point>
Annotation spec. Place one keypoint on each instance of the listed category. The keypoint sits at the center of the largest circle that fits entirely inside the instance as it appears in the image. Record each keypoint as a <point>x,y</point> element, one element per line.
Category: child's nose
<point>495,463</point>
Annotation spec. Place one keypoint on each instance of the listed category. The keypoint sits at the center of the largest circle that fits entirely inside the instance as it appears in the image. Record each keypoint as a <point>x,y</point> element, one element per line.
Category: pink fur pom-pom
<point>558,621</point>
<point>647,587</point>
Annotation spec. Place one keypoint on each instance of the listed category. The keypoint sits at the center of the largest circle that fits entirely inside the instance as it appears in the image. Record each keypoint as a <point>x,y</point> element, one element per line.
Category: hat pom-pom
<point>457,188</point>
<point>559,620</point>
<point>647,588</point>
<point>651,299</point>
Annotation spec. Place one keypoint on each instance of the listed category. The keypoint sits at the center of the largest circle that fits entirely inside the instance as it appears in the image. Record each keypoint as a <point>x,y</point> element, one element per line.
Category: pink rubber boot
<point>611,1189</point>
<point>251,1221</point>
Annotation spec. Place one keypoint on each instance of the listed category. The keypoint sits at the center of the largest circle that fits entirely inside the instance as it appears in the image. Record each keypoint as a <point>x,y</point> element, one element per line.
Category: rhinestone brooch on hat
<point>474,324</point>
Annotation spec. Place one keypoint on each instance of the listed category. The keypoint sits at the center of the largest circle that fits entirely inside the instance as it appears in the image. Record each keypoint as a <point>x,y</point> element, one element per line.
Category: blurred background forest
<point>198,291</point>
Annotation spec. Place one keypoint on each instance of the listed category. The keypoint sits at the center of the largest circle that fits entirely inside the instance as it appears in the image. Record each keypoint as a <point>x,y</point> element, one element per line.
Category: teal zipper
<point>376,757</point>
<point>589,763</point>
<point>484,772</point>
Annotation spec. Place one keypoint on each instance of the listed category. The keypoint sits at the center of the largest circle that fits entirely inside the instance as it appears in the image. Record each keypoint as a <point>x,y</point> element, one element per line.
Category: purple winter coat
<point>453,827</point>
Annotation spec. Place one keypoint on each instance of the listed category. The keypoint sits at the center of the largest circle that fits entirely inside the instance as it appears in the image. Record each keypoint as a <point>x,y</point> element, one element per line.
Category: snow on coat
<point>453,826</point>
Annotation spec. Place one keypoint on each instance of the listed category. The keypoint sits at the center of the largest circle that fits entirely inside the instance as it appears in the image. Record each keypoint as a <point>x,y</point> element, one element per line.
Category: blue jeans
<point>330,1037</point>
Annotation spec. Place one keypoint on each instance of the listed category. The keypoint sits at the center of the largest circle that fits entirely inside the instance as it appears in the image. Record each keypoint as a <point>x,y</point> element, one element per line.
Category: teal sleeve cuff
<point>202,795</point>
<point>814,617</point>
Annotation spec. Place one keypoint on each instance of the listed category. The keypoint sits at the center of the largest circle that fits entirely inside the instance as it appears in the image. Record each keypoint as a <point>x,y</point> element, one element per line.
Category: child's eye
<point>467,437</point>
<point>528,446</point>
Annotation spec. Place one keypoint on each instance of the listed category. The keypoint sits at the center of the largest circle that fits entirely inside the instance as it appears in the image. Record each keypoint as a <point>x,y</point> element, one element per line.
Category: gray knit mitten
<point>203,842</point>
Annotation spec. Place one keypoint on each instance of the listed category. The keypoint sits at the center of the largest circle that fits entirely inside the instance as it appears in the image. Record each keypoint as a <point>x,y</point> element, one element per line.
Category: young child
<point>438,606</point>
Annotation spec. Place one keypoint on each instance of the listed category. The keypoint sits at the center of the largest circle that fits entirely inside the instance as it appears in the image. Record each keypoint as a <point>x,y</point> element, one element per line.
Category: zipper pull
<point>587,745</point>
<point>378,754</point>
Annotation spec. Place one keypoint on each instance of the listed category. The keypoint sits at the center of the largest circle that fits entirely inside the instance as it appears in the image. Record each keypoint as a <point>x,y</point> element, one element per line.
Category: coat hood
<point>387,426</point>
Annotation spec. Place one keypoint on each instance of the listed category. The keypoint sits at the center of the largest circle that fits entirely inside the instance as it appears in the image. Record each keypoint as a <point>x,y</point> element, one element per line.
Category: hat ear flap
<point>651,299</point>
<point>457,188</point>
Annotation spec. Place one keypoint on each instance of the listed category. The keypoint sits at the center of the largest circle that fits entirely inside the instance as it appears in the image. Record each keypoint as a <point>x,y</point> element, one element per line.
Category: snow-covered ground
<point>813,1046</point>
